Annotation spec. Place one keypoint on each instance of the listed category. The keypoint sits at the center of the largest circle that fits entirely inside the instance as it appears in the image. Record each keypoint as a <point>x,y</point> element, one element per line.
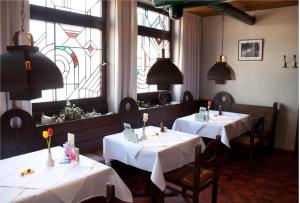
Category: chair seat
<point>244,140</point>
<point>184,176</point>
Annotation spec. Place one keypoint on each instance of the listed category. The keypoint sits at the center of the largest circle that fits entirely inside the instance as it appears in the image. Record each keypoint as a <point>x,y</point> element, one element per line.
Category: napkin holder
<point>66,159</point>
<point>130,136</point>
<point>202,115</point>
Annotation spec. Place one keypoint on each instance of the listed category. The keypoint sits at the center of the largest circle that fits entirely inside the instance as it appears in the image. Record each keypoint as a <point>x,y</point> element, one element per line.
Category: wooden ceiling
<point>244,5</point>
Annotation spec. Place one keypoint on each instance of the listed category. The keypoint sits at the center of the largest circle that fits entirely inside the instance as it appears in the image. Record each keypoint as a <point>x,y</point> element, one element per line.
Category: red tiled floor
<point>274,180</point>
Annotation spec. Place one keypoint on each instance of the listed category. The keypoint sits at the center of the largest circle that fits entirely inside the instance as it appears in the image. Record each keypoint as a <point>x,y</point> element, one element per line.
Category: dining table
<point>158,153</point>
<point>69,182</point>
<point>228,125</point>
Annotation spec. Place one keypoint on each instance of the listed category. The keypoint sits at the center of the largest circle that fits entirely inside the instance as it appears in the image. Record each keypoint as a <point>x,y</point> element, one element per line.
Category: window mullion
<point>54,15</point>
<point>152,32</point>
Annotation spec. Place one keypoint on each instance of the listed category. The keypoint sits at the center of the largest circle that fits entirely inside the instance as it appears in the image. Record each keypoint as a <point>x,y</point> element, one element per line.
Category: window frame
<point>71,18</point>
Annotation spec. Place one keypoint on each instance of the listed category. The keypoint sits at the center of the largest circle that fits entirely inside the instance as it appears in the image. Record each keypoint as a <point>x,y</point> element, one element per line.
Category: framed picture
<point>251,50</point>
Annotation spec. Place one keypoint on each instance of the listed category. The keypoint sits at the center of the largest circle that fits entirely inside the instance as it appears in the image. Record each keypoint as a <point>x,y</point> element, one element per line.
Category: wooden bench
<point>269,113</point>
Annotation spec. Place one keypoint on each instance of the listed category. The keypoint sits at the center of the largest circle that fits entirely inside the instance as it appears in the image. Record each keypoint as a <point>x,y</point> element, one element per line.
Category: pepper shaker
<point>220,110</point>
<point>162,127</point>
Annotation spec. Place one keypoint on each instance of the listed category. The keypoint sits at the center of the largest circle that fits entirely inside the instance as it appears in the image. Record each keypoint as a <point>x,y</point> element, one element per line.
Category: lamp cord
<point>164,30</point>
<point>222,34</point>
<point>22,15</point>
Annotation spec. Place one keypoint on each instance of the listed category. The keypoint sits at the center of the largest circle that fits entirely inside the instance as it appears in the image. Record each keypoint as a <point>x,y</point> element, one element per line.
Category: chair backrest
<point>273,124</point>
<point>258,127</point>
<point>110,196</point>
<point>224,99</point>
<point>188,101</point>
<point>18,133</point>
<point>208,159</point>
<point>129,113</point>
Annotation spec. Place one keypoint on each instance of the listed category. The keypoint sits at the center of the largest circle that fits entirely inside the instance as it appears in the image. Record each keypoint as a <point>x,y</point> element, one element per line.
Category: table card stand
<point>70,151</point>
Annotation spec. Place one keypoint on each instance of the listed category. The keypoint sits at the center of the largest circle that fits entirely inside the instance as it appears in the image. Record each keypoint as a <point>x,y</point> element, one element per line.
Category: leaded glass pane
<point>148,50</point>
<point>153,19</point>
<point>86,7</point>
<point>77,51</point>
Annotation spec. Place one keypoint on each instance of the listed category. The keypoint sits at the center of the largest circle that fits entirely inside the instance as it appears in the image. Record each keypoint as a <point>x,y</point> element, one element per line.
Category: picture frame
<point>250,50</point>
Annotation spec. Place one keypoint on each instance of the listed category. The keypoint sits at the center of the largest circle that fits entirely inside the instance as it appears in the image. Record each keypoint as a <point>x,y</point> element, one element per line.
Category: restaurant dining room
<point>149,101</point>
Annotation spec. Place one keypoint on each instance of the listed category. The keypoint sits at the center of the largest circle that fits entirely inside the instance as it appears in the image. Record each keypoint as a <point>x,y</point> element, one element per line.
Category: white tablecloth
<point>156,154</point>
<point>71,182</point>
<point>229,125</point>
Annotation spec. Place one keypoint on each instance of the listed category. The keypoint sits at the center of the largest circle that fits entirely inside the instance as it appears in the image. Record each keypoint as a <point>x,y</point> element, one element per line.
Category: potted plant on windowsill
<point>70,112</point>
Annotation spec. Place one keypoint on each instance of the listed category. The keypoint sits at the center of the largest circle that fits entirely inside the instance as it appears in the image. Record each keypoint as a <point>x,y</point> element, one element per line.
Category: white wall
<point>258,82</point>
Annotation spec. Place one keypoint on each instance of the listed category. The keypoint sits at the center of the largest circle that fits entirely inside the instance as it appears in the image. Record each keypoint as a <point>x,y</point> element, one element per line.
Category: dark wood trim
<point>59,16</point>
<point>50,108</point>
<point>104,49</point>
<point>152,32</point>
<point>171,39</point>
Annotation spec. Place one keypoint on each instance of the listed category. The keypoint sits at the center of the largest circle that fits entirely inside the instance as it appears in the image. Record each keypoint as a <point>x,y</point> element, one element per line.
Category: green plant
<point>70,112</point>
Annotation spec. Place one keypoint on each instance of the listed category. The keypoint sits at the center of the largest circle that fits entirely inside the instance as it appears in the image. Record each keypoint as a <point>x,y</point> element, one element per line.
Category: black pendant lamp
<point>221,71</point>
<point>25,71</point>
<point>163,72</point>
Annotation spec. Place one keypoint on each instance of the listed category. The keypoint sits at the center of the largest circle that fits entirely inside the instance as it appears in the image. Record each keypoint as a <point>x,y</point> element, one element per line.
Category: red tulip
<point>50,132</point>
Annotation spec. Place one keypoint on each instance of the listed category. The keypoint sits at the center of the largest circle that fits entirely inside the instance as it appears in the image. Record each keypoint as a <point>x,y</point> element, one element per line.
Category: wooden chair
<point>129,113</point>
<point>270,134</point>
<point>199,175</point>
<point>110,196</point>
<point>223,99</point>
<point>18,133</point>
<point>249,141</point>
<point>188,102</point>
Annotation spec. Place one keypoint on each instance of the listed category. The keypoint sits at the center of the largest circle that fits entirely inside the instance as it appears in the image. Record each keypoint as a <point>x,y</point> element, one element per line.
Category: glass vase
<point>144,133</point>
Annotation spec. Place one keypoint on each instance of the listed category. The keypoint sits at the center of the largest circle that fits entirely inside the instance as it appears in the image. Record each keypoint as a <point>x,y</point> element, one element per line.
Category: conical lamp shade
<point>221,71</point>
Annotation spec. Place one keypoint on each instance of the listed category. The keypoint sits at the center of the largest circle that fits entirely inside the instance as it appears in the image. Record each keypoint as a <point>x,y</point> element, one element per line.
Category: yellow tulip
<point>45,134</point>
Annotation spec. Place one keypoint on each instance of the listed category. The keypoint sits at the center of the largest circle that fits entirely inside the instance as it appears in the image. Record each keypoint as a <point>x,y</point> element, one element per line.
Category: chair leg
<point>250,160</point>
<point>195,196</point>
<point>183,191</point>
<point>214,193</point>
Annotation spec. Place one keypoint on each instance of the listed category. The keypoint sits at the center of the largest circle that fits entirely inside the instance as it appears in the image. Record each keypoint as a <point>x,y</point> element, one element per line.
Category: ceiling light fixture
<point>163,72</point>
<point>221,71</point>
<point>25,71</point>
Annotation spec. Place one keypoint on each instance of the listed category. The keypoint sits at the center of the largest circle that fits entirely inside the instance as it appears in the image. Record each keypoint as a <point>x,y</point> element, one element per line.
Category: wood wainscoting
<point>89,133</point>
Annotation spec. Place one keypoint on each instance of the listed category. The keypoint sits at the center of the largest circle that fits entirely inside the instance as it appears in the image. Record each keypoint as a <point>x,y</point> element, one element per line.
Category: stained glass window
<point>149,47</point>
<point>86,7</point>
<point>77,51</point>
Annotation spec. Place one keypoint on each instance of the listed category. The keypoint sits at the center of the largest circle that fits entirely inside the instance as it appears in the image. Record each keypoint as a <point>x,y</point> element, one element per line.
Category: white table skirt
<point>157,154</point>
<point>72,182</point>
<point>229,125</point>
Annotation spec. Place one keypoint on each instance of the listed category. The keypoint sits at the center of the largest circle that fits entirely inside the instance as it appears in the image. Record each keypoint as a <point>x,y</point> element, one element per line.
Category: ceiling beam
<point>234,12</point>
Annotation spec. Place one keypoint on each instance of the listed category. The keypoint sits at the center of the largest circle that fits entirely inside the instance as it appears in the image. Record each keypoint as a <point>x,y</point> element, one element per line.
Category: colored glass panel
<point>77,51</point>
<point>153,19</point>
